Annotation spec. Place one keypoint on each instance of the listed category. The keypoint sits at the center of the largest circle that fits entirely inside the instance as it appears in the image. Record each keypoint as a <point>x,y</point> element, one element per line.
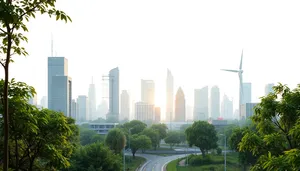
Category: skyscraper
<point>144,112</point>
<point>227,108</point>
<point>215,102</point>
<point>74,111</point>
<point>92,101</point>
<point>148,91</point>
<point>269,89</point>
<point>180,106</point>
<point>201,104</point>
<point>44,102</point>
<point>125,105</point>
<point>169,96</point>
<point>82,110</point>
<point>247,93</point>
<point>113,114</point>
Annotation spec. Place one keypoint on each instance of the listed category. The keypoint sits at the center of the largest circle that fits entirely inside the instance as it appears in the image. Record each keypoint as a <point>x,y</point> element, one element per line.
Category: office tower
<point>144,112</point>
<point>148,91</point>
<point>83,109</point>
<point>269,89</point>
<point>44,102</point>
<point>215,102</point>
<point>124,105</point>
<point>61,94</point>
<point>92,101</point>
<point>33,100</point>
<point>247,93</point>
<point>169,96</point>
<point>201,104</point>
<point>247,110</point>
<point>180,106</point>
<point>74,110</point>
<point>157,116</point>
<point>227,108</point>
<point>102,110</point>
<point>113,115</point>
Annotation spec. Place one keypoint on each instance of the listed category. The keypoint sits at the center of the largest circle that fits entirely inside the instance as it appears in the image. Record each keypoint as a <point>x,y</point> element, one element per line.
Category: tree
<point>173,138</point>
<point>153,135</point>
<point>89,136</point>
<point>97,157</point>
<point>116,140</point>
<point>203,135</point>
<point>162,130</point>
<point>277,139</point>
<point>139,142</point>
<point>13,18</point>
<point>39,139</point>
<point>135,127</point>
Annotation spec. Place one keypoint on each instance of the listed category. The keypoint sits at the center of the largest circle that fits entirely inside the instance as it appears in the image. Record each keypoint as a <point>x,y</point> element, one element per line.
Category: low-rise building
<point>102,128</point>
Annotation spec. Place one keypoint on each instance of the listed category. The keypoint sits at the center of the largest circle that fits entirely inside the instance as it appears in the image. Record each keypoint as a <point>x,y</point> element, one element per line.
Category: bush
<point>196,160</point>
<point>219,151</point>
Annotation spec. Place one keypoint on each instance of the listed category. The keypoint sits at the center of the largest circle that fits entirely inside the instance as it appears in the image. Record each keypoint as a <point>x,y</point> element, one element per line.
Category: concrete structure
<point>114,84</point>
<point>215,102</point>
<point>269,89</point>
<point>247,89</point>
<point>169,96</point>
<point>125,103</point>
<point>102,128</point>
<point>74,110</point>
<point>44,102</point>
<point>83,108</point>
<point>61,94</point>
<point>247,110</point>
<point>201,104</point>
<point>218,123</point>
<point>157,117</point>
<point>227,108</point>
<point>176,126</point>
<point>180,110</point>
<point>92,101</point>
<point>57,66</point>
<point>144,112</point>
<point>148,91</point>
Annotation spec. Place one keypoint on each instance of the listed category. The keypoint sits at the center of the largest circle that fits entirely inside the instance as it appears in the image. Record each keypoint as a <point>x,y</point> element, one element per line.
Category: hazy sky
<point>194,38</point>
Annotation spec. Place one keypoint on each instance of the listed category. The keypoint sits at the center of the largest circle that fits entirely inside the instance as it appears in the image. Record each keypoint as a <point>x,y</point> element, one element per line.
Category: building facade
<point>247,93</point>
<point>180,108</point>
<point>215,102</point>
<point>148,91</point>
<point>74,110</point>
<point>227,108</point>
<point>114,84</point>
<point>83,109</point>
<point>247,110</point>
<point>201,104</point>
<point>92,101</point>
<point>125,105</point>
<point>169,96</point>
<point>144,112</point>
<point>102,128</point>
<point>269,89</point>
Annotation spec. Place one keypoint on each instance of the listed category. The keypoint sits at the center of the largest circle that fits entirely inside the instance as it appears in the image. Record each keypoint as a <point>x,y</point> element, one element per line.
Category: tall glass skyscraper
<point>113,114</point>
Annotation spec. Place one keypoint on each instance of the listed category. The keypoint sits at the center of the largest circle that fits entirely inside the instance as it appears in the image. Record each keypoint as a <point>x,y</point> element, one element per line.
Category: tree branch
<point>2,30</point>
<point>2,64</point>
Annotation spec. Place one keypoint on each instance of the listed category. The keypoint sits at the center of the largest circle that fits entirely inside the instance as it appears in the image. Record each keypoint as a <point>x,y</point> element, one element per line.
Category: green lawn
<point>134,163</point>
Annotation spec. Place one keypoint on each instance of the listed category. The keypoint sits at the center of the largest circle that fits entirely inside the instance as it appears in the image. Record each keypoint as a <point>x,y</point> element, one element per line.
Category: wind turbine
<point>240,74</point>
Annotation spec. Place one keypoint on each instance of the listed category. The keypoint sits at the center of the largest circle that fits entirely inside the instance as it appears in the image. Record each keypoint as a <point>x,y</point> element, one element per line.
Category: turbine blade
<point>241,63</point>
<point>230,70</point>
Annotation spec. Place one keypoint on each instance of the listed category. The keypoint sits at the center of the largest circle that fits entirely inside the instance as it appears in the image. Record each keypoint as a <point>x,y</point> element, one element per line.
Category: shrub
<point>219,151</point>
<point>199,160</point>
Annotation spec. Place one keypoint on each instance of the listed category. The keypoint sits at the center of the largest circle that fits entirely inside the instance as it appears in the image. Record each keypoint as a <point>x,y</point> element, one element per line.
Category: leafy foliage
<point>162,130</point>
<point>139,142</point>
<point>153,135</point>
<point>203,135</point>
<point>135,127</point>
<point>173,138</point>
<point>89,136</point>
<point>115,140</point>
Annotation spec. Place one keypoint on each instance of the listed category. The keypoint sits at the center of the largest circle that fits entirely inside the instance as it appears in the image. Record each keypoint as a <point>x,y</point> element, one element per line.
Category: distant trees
<point>115,140</point>
<point>139,142</point>
<point>89,136</point>
<point>162,130</point>
<point>153,135</point>
<point>173,138</point>
<point>202,135</point>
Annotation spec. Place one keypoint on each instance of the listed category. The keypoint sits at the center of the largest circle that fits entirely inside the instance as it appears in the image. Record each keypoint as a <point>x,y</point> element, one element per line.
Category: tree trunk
<point>17,153</point>
<point>133,154</point>
<point>203,152</point>
<point>5,99</point>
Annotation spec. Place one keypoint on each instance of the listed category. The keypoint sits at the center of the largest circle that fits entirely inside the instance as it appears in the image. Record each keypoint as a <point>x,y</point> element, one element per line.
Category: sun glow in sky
<point>194,39</point>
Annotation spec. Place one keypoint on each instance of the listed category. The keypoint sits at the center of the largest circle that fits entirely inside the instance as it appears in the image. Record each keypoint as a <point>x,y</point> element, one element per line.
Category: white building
<point>44,102</point>
<point>144,112</point>
<point>269,89</point>
<point>74,110</point>
<point>227,108</point>
<point>201,104</point>
<point>83,109</point>
<point>169,96</point>
<point>102,128</point>
<point>125,103</point>
<point>114,85</point>
<point>148,91</point>
<point>215,102</point>
<point>92,101</point>
<point>247,110</point>
<point>247,93</point>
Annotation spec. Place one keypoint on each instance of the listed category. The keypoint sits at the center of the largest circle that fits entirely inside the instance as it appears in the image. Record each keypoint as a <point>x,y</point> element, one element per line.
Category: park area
<point>134,163</point>
<point>211,162</point>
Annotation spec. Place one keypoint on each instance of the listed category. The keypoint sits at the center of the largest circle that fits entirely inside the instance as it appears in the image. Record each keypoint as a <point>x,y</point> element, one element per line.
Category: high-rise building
<point>144,112</point>
<point>269,89</point>
<point>61,97</point>
<point>148,91</point>
<point>247,110</point>
<point>114,84</point>
<point>201,104</point>
<point>227,108</point>
<point>44,102</point>
<point>125,103</point>
<point>247,93</point>
<point>57,66</point>
<point>180,111</point>
<point>92,101</point>
<point>102,110</point>
<point>169,96</point>
<point>215,102</point>
<point>157,115</point>
<point>83,109</point>
<point>74,110</point>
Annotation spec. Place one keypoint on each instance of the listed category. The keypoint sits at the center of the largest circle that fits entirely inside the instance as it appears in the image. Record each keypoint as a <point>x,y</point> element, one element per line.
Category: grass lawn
<point>134,163</point>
